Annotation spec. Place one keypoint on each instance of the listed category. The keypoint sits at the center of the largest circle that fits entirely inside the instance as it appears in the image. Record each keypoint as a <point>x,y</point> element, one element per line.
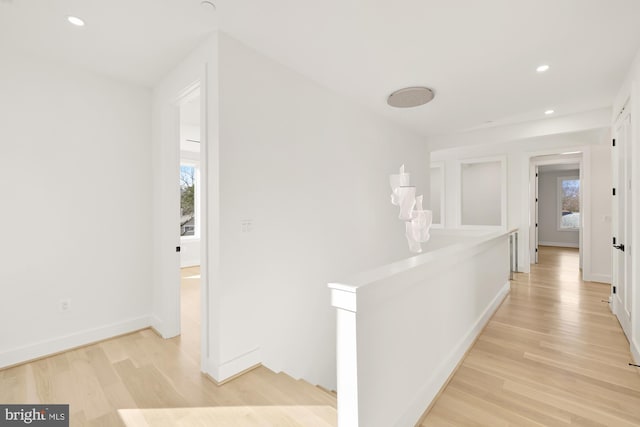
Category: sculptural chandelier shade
<point>406,201</point>
<point>417,220</point>
<point>397,181</point>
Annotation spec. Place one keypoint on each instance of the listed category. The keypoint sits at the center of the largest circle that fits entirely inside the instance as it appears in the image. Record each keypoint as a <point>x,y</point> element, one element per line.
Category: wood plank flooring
<point>189,339</point>
<point>552,355</point>
<point>148,381</point>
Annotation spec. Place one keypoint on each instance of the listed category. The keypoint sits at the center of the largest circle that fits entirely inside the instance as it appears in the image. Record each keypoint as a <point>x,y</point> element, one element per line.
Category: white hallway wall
<point>75,171</point>
<point>594,142</point>
<point>548,211</point>
<point>311,170</point>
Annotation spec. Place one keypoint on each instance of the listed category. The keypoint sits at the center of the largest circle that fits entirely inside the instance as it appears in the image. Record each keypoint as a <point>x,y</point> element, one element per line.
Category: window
<point>188,205</point>
<point>568,203</point>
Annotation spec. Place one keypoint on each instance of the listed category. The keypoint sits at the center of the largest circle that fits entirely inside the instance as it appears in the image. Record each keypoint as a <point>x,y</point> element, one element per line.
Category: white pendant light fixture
<point>396,181</point>
<point>417,220</point>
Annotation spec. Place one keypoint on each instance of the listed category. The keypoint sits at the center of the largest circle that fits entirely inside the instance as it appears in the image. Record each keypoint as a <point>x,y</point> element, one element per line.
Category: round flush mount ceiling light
<point>75,21</point>
<point>410,97</point>
<point>549,112</point>
<point>209,5</point>
<point>542,68</point>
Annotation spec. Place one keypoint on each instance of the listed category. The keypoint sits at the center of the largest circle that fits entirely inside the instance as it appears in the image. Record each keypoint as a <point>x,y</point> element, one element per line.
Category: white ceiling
<point>478,56</point>
<point>134,40</point>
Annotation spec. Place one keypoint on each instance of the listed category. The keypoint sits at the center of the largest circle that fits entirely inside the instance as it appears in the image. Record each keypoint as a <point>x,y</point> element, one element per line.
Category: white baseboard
<point>237,365</point>
<point>190,263</point>
<point>559,244</point>
<point>443,372</point>
<point>600,278</point>
<point>635,352</point>
<point>67,342</point>
<point>163,328</point>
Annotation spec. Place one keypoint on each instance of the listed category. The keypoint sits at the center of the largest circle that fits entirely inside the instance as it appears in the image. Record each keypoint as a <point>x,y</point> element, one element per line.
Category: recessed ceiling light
<point>542,68</point>
<point>410,97</point>
<point>75,21</point>
<point>549,112</point>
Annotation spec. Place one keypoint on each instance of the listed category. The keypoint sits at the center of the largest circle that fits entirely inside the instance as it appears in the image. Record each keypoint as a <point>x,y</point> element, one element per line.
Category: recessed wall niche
<point>482,193</point>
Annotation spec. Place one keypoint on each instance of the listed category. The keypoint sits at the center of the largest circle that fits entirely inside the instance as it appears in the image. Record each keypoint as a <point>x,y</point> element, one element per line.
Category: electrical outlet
<point>246,225</point>
<point>65,305</point>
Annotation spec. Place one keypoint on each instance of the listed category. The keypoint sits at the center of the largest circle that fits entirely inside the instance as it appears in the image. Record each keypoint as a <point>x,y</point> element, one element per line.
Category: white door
<point>622,281</point>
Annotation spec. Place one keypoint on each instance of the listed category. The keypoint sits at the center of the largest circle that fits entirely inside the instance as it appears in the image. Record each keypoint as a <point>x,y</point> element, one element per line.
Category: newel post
<point>344,300</point>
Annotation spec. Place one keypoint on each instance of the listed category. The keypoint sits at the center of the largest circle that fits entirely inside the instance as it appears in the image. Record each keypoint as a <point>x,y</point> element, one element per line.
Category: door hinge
<point>177,248</point>
<point>536,200</point>
<point>614,240</point>
<point>614,191</point>
<point>614,142</point>
<point>536,249</point>
<point>614,289</point>
<point>536,174</point>
<point>536,224</point>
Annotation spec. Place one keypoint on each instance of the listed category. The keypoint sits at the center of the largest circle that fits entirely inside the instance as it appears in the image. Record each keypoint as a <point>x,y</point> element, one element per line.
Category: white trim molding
<point>67,342</point>
<point>635,352</point>
<point>239,364</point>
<point>443,187</point>
<point>595,277</point>
<point>559,244</point>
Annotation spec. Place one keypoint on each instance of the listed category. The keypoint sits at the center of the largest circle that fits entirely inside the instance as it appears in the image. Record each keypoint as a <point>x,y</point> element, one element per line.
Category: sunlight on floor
<point>189,338</point>
<point>232,416</point>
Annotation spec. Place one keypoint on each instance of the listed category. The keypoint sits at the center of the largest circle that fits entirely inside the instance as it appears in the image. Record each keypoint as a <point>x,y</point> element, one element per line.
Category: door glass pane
<point>187,200</point>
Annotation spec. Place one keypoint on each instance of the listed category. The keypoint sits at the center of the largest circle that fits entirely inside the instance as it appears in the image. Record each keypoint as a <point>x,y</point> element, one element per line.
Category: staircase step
<point>326,390</point>
<point>317,393</point>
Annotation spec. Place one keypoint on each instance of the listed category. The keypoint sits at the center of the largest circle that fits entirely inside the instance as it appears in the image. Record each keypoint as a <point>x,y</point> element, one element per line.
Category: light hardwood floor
<point>147,381</point>
<point>189,339</point>
<point>552,355</point>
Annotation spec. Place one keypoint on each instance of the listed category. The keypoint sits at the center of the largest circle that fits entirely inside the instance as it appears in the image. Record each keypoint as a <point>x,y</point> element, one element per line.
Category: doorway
<point>557,204</point>
<point>192,222</point>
